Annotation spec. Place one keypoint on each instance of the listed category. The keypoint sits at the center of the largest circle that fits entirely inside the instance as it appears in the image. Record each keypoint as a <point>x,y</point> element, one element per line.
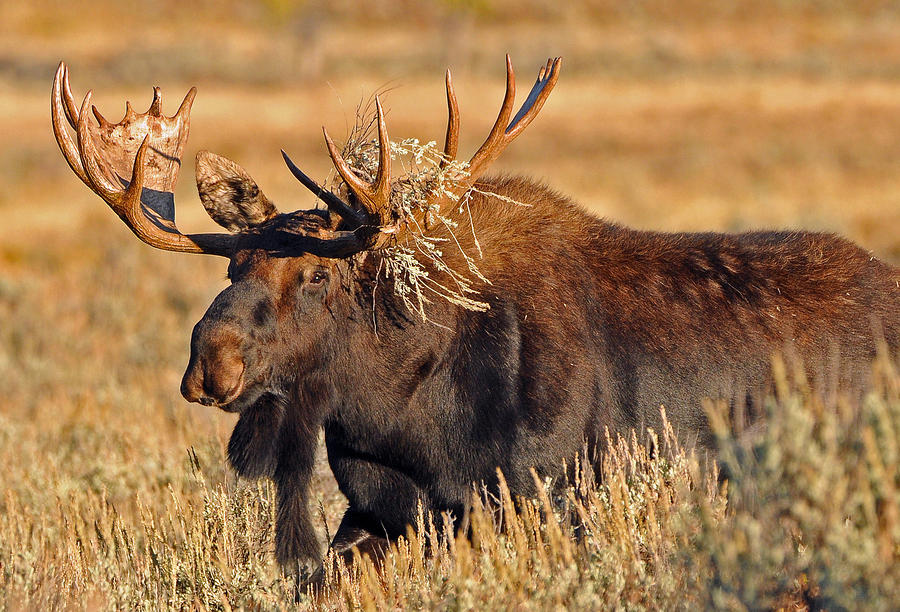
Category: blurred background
<point>672,116</point>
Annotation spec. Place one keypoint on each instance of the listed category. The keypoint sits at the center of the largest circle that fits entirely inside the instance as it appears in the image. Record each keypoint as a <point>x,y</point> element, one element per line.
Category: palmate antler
<point>148,147</point>
<point>374,225</point>
<point>133,165</point>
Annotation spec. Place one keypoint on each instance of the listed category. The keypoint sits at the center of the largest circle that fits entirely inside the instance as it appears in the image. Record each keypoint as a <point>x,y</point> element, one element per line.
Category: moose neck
<point>386,346</point>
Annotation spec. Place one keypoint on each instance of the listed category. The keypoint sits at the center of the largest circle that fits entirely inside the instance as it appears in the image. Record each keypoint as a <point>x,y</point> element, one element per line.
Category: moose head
<point>292,274</point>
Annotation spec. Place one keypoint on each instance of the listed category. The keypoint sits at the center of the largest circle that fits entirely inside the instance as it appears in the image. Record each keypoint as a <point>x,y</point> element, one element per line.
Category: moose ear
<point>229,195</point>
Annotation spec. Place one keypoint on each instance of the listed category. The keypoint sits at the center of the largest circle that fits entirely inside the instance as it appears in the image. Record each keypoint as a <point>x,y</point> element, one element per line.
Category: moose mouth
<point>243,398</point>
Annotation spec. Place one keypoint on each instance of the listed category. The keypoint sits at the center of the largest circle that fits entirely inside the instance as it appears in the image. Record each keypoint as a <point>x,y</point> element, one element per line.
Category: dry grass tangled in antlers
<point>422,244</point>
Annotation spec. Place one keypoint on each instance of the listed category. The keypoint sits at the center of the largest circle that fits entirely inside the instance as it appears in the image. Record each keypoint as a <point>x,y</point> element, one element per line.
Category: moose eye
<point>318,277</point>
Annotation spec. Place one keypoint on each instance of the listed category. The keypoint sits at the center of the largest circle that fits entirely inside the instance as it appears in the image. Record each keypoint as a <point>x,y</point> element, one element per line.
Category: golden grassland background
<point>670,116</point>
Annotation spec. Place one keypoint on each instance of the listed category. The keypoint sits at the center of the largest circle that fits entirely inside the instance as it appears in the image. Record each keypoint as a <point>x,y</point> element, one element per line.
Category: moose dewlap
<point>438,331</point>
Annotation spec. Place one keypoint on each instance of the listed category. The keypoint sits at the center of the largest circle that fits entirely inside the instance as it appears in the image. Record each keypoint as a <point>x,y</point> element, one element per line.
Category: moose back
<point>586,326</point>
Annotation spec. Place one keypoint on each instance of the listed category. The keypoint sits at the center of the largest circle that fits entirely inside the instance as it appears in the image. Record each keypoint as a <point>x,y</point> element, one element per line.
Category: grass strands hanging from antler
<point>417,257</point>
<point>412,214</point>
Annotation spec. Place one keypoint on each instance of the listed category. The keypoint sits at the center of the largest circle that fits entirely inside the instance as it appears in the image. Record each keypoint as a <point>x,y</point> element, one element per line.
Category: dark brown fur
<point>591,326</point>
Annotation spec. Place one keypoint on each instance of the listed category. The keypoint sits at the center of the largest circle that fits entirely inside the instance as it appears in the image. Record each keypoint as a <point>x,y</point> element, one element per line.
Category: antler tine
<point>451,142</point>
<point>126,204</point>
<point>88,153</point>
<point>494,143</point>
<point>100,118</point>
<point>539,93</point>
<point>59,111</point>
<point>502,134</point>
<point>358,185</point>
<point>184,110</point>
<point>382,187</point>
<point>334,203</point>
<point>155,109</point>
<point>70,105</point>
<point>375,197</point>
<point>130,201</point>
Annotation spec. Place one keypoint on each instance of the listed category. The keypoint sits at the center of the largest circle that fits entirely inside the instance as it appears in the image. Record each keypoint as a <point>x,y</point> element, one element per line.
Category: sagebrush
<point>807,517</point>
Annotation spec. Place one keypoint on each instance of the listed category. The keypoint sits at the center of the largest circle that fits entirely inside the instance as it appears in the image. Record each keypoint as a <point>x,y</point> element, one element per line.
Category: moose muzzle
<point>215,373</point>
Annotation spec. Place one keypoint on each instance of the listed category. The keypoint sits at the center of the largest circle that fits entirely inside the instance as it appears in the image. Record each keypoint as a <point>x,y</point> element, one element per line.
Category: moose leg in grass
<point>545,326</point>
<point>133,166</point>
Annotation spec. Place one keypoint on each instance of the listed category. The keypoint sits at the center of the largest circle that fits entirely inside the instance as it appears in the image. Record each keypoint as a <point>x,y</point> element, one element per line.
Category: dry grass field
<point>114,492</point>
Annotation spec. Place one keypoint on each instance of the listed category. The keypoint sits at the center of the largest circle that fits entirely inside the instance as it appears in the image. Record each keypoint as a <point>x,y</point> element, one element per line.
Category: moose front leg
<point>295,538</point>
<point>296,544</point>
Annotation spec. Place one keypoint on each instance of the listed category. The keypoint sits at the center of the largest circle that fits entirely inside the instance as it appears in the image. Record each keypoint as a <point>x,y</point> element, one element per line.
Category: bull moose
<point>587,326</point>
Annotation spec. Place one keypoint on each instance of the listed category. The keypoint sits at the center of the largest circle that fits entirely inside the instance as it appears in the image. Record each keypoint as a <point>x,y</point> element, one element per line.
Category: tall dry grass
<point>115,492</point>
<point>808,518</point>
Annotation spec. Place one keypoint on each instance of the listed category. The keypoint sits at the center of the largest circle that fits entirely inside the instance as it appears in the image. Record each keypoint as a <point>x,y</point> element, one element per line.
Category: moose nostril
<point>224,379</point>
<point>215,373</point>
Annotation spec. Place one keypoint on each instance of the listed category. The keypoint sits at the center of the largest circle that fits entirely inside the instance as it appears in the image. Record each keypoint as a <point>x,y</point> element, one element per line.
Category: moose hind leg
<point>356,531</point>
<point>359,531</point>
